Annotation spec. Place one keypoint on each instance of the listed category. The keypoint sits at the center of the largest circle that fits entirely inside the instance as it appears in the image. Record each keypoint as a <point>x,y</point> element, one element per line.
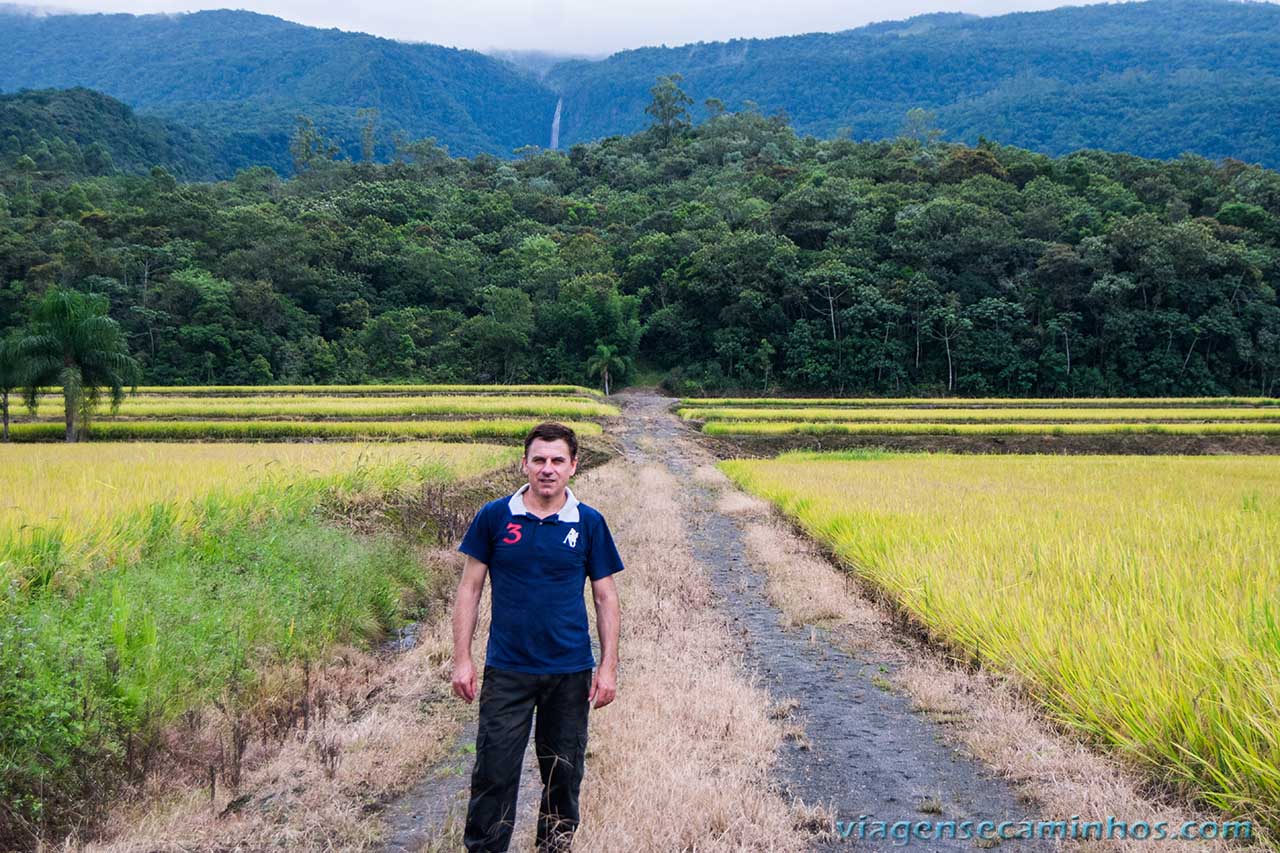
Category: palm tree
<point>76,345</point>
<point>12,374</point>
<point>605,362</point>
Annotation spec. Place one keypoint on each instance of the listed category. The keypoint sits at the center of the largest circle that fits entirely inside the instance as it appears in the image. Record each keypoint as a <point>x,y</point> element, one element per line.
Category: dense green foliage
<point>245,77</point>
<point>1157,78</point>
<point>733,254</point>
<point>84,133</point>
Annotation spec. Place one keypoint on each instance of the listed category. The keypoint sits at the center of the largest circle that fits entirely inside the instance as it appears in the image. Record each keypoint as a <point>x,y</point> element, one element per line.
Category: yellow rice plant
<point>981,402</point>
<point>1137,597</point>
<point>83,501</point>
<point>359,390</point>
<point>746,428</point>
<point>266,430</point>
<point>993,415</point>
<point>312,406</point>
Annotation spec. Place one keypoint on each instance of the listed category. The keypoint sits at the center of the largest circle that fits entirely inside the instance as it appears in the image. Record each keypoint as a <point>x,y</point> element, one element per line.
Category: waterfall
<point>555,126</point>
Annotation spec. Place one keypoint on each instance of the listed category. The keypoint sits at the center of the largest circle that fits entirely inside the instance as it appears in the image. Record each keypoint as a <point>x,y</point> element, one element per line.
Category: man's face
<point>548,466</point>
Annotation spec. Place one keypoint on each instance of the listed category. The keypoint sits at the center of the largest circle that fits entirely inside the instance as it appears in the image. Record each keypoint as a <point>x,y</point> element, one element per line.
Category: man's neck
<point>541,507</point>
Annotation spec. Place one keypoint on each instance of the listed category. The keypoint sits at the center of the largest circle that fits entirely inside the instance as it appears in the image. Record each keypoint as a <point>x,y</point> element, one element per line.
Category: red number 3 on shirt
<point>513,533</point>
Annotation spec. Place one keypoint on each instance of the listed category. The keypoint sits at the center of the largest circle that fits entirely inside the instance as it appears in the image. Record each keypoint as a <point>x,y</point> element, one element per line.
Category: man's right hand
<point>464,679</point>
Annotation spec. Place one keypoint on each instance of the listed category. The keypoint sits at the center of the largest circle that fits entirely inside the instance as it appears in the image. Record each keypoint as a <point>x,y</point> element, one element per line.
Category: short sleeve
<point>603,558</point>
<point>478,542</point>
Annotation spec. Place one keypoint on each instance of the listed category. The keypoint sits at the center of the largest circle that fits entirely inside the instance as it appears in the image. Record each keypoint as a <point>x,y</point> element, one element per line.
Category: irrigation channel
<point>865,752</point>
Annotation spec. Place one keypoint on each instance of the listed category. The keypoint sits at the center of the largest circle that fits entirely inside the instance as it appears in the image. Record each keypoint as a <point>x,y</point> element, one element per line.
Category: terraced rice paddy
<point>780,417</point>
<point>192,413</point>
<point>1136,597</point>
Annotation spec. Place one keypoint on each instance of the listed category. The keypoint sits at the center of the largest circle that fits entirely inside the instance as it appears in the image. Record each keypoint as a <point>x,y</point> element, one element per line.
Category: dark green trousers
<point>508,701</point>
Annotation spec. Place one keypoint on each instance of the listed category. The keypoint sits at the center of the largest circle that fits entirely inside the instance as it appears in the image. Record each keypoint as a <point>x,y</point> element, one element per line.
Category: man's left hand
<point>604,687</point>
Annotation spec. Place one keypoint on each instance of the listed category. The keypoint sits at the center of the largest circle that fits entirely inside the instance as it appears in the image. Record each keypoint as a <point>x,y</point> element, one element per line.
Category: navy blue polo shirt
<point>537,567</point>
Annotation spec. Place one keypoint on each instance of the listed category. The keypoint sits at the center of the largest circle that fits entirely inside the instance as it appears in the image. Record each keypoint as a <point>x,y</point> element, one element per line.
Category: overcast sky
<point>575,26</point>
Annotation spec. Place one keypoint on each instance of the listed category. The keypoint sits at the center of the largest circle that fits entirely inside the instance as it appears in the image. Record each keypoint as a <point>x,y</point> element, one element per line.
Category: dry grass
<point>375,724</point>
<point>987,714</point>
<point>684,758</point>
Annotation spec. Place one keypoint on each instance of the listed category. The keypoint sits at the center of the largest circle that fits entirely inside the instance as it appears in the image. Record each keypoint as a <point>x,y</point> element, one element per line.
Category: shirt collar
<point>568,512</point>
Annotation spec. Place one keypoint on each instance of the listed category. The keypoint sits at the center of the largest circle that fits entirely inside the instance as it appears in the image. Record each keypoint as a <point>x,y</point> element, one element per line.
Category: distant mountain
<point>79,132</point>
<point>537,62</point>
<point>247,76</point>
<point>1155,78</point>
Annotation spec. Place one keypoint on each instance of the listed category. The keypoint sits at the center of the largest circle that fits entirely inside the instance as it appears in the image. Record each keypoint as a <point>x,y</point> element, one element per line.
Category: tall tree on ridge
<point>669,107</point>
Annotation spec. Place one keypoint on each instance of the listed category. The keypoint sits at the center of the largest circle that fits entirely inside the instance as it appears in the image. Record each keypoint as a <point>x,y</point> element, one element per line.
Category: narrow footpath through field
<point>852,743</point>
<point>862,751</point>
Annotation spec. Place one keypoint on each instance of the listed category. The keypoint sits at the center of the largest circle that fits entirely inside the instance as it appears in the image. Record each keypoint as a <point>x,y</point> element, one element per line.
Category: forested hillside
<point>79,132</point>
<point>1158,79</point>
<point>246,77</point>
<point>729,255</point>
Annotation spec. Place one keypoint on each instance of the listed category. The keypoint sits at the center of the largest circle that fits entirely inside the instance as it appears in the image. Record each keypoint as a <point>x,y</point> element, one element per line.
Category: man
<point>538,546</point>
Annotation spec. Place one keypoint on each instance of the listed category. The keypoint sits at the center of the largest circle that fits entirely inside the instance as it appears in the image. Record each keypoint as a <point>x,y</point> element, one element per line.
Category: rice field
<point>283,413</point>
<point>845,415</point>
<point>1136,597</point>
<point>145,580</point>
<point>85,505</point>
<point>750,428</point>
<point>982,402</point>
<point>358,390</point>
<point>508,429</point>
<point>339,407</point>
<point>868,417</point>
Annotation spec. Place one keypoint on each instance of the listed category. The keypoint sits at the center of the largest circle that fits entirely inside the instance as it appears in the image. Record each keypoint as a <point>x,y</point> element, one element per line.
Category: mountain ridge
<point>1155,78</point>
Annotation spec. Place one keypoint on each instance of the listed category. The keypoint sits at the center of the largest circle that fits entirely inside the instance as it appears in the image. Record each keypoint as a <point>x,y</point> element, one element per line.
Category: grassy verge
<point>91,672</point>
<point>1134,595</point>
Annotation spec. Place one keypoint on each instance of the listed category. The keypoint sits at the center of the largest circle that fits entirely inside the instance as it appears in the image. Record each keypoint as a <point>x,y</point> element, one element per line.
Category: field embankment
<point>1135,597</point>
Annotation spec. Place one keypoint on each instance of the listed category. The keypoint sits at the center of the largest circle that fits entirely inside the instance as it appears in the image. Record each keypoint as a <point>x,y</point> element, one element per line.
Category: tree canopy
<point>729,254</point>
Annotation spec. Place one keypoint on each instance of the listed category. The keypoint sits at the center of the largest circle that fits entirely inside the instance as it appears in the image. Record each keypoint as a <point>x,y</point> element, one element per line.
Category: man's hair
<point>552,431</point>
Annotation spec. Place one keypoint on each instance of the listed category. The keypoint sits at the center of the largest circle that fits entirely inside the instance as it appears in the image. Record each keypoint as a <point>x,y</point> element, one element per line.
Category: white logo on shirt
<point>572,538</point>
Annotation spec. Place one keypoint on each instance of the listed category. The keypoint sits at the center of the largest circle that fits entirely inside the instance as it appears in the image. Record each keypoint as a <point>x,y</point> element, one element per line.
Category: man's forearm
<point>466,610</point>
<point>609,626</point>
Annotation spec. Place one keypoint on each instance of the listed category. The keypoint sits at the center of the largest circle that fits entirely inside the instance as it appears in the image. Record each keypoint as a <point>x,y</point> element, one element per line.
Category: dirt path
<point>863,751</point>
<point>854,744</point>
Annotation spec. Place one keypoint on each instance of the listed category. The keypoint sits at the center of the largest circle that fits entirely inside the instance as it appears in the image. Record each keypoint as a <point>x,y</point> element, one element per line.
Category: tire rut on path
<point>865,752</point>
